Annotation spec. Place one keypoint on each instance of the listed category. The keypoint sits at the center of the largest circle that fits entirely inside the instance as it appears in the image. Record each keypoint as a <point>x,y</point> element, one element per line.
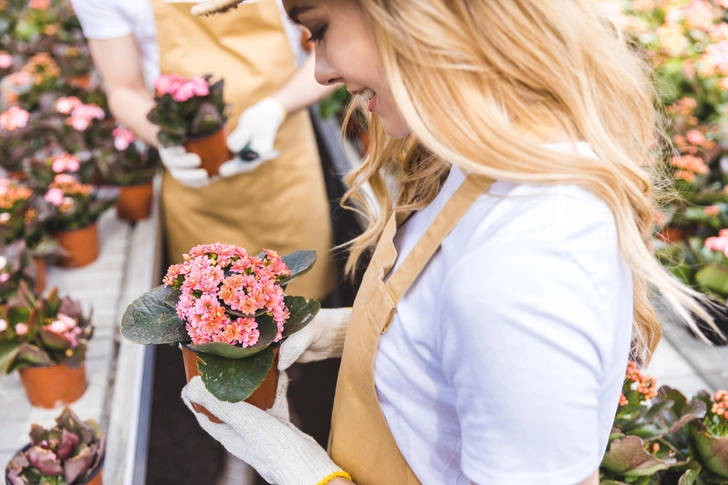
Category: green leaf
<point>627,457</point>
<point>152,320</point>
<point>8,351</point>
<point>33,356</point>
<point>712,452</point>
<point>234,380</point>
<point>268,333</point>
<point>299,263</point>
<point>302,313</point>
<point>53,340</point>
<point>654,411</point>
<point>713,277</point>
<point>690,477</point>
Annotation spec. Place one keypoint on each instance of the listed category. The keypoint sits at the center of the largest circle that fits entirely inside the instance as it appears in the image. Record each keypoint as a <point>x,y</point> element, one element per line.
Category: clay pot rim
<point>89,477</point>
<point>201,136</point>
<point>50,365</point>
<point>94,223</point>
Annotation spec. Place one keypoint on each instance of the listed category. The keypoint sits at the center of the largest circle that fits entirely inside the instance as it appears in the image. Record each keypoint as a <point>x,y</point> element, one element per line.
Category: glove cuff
<point>334,475</point>
<point>278,103</point>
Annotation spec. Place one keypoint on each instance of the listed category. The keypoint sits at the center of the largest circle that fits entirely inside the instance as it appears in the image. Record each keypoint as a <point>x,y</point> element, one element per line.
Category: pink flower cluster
<point>123,138</point>
<point>67,327</point>
<point>224,288</point>
<point>80,115</point>
<point>180,88</point>
<point>6,60</point>
<point>719,243</point>
<point>14,118</point>
<point>65,163</point>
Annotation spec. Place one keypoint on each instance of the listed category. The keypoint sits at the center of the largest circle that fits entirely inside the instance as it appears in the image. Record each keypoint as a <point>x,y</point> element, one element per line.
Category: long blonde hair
<point>462,70</point>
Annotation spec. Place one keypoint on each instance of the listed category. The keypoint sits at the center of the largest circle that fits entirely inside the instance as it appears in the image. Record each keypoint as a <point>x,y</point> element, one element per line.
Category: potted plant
<point>229,313</point>
<point>709,439</point>
<point>16,267</point>
<point>70,453</point>
<point>192,112</point>
<point>45,339</point>
<point>75,223</point>
<point>23,216</point>
<point>131,165</point>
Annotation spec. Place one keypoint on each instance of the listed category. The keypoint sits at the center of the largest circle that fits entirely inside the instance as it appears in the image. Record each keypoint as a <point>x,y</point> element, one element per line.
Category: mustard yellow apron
<point>282,205</point>
<point>361,442</point>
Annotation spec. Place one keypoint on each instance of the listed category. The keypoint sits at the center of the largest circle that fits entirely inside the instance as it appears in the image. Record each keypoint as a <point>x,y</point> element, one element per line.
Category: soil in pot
<point>40,271</point>
<point>212,149</point>
<point>264,397</point>
<point>54,385</point>
<point>82,246</point>
<point>93,478</point>
<point>135,202</point>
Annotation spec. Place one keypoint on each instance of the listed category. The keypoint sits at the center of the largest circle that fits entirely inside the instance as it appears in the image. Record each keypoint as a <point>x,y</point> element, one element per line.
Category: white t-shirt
<point>109,19</point>
<point>505,360</point>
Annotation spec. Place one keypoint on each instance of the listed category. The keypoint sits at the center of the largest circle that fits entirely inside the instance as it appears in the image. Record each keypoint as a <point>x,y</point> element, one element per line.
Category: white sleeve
<point>522,326</point>
<point>101,19</point>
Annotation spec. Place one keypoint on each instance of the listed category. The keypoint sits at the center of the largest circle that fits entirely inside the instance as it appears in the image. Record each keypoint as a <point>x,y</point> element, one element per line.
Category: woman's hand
<point>321,339</point>
<point>267,441</point>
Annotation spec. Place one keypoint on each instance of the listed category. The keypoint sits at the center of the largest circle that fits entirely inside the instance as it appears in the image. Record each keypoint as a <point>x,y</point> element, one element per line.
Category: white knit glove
<point>321,339</point>
<point>257,127</point>
<point>184,166</point>
<point>279,452</point>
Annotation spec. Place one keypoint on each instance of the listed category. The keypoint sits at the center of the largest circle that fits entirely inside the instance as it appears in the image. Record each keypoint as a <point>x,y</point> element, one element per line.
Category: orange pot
<point>212,149</point>
<point>81,244</point>
<point>54,385</point>
<point>18,175</point>
<point>40,270</point>
<point>671,234</point>
<point>135,202</point>
<point>82,82</point>
<point>263,398</point>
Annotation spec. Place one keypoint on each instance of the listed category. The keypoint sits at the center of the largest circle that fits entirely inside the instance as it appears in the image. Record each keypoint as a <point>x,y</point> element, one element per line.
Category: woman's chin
<point>396,130</point>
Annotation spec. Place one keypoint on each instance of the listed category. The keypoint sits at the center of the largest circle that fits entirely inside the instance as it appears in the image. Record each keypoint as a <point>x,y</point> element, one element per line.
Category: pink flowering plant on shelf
<point>188,108</point>
<point>16,267</point>
<point>230,308</point>
<point>125,160</point>
<point>77,205</point>
<point>37,332</point>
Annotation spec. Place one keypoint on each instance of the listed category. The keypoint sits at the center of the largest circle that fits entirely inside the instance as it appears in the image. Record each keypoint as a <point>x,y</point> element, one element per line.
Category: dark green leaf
<point>152,320</point>
<point>53,340</point>
<point>299,263</point>
<point>627,457</point>
<point>8,352</point>
<point>32,355</point>
<point>690,477</point>
<point>302,313</point>
<point>234,380</point>
<point>712,452</point>
<point>714,277</point>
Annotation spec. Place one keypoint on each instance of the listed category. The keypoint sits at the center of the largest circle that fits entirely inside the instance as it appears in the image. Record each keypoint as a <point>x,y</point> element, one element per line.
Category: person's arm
<point>119,64</point>
<point>302,90</point>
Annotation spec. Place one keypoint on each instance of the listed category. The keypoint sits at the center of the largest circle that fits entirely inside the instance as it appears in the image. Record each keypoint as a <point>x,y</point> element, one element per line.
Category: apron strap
<point>469,191</point>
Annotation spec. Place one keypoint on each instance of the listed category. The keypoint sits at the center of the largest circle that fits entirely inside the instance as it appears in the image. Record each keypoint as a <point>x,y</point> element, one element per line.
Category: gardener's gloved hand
<point>321,339</point>
<point>257,130</point>
<point>279,452</point>
<point>184,166</point>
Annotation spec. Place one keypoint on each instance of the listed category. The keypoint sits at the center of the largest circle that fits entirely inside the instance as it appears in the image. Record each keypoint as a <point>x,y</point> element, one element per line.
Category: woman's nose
<point>325,73</point>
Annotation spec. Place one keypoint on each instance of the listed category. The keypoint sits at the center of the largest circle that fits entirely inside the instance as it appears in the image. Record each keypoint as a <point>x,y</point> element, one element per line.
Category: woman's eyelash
<point>317,35</point>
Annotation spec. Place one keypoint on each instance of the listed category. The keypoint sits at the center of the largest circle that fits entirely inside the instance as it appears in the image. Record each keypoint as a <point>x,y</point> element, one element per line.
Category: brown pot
<point>263,398</point>
<point>135,202</point>
<point>670,234</point>
<point>212,149</point>
<point>94,478</point>
<point>81,244</point>
<point>54,385</point>
<point>40,271</point>
<point>82,82</point>
<point>18,175</point>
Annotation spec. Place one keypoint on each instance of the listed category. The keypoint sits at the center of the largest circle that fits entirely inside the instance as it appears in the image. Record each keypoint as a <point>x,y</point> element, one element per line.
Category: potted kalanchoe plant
<point>75,224</point>
<point>131,165</point>
<point>192,112</point>
<point>70,453</point>
<point>45,339</point>
<point>16,267</point>
<point>229,312</point>
<point>709,440</point>
<point>23,216</point>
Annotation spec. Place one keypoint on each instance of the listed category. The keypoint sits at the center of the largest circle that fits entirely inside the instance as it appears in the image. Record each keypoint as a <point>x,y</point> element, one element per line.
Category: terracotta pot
<point>53,385</point>
<point>264,397</point>
<point>93,478</point>
<point>212,149</point>
<point>671,234</point>
<point>135,202</point>
<point>82,245</point>
<point>40,270</point>
<point>18,175</point>
<point>82,82</point>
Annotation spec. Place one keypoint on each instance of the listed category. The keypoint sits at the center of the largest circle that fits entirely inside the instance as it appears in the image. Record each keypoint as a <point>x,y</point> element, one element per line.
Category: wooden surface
<point>125,269</point>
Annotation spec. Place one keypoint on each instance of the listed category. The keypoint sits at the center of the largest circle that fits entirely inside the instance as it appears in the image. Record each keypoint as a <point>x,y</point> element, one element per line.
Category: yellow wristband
<point>334,475</point>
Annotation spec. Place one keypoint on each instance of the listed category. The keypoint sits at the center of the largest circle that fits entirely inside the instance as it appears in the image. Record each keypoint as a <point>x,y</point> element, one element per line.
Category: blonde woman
<point>490,337</point>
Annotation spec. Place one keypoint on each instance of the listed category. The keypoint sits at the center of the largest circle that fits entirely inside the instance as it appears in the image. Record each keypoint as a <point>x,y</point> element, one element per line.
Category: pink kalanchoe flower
<point>65,106</point>
<point>39,4</point>
<point>6,60</point>
<point>64,178</point>
<point>695,137</point>
<point>14,118</point>
<point>21,329</point>
<point>167,84</point>
<point>4,277</point>
<point>123,138</point>
<point>3,325</point>
<point>184,93</point>
<point>200,86</point>
<point>66,163</point>
<point>89,112</point>
<point>54,196</point>
<point>78,124</point>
